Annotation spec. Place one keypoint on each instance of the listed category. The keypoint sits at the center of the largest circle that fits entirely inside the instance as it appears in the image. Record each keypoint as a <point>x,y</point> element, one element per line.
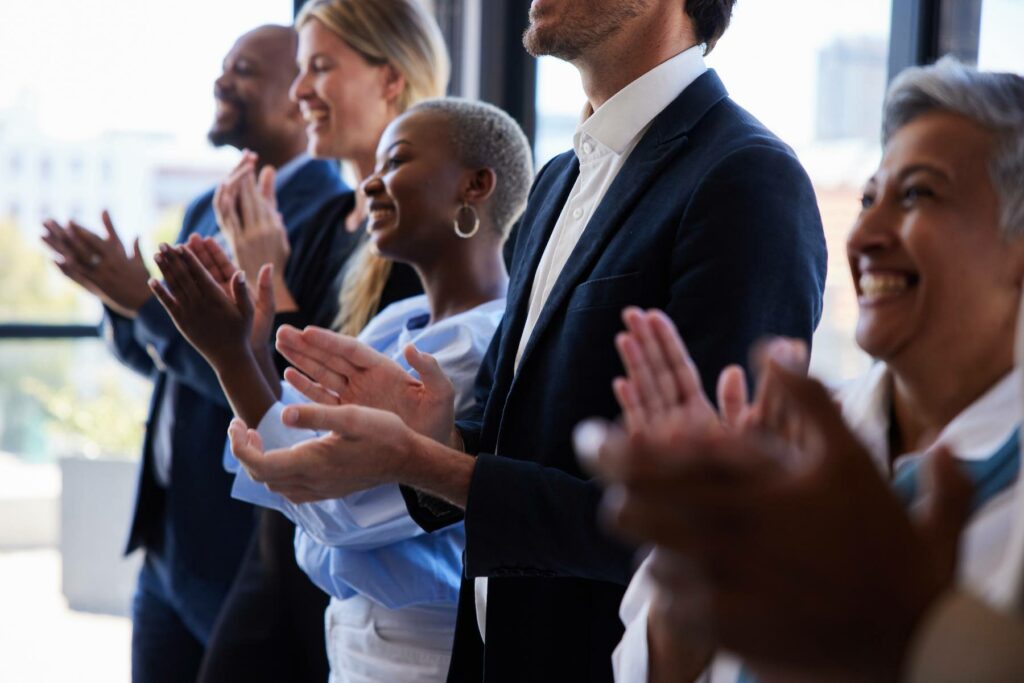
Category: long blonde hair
<point>403,34</point>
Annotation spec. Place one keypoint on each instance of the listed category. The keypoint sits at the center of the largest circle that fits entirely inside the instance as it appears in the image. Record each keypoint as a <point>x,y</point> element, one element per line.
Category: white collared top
<point>603,143</point>
<point>974,434</point>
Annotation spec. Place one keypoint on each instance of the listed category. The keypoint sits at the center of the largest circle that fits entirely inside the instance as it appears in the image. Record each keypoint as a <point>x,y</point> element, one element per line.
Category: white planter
<point>95,511</point>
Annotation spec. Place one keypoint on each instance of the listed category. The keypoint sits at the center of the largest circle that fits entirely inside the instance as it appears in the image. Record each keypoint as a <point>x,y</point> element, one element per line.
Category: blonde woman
<point>362,63</point>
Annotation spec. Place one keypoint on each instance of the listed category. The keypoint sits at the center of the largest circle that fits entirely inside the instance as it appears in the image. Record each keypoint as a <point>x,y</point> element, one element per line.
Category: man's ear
<point>478,186</point>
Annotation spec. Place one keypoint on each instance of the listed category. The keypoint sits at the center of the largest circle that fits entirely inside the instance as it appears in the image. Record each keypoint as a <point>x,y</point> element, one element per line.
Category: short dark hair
<point>710,19</point>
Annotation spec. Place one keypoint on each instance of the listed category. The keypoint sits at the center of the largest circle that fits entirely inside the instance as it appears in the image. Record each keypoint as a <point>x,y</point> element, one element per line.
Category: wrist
<point>434,468</point>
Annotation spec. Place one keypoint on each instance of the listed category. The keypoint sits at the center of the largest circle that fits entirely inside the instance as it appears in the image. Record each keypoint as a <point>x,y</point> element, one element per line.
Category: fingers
<point>201,280</point>
<point>314,391</point>
<point>165,297</point>
<point>265,289</point>
<point>247,201</point>
<point>176,276</point>
<point>319,417</point>
<point>315,351</point>
<point>88,239</point>
<point>732,396</point>
<point>674,350</point>
<point>222,263</point>
<point>633,412</point>
<point>655,352</point>
<point>137,251</point>
<point>267,178</point>
<point>648,399</point>
<point>108,226</point>
<point>240,292</point>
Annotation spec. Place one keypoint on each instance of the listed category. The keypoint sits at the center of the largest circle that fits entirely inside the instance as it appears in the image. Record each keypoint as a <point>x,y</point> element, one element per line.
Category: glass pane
<point>999,47</point>
<point>814,71</point>
<point>112,114</point>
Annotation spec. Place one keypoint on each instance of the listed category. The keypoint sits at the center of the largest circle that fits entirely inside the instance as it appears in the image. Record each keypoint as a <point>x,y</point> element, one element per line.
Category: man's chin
<point>220,137</point>
<point>546,43</point>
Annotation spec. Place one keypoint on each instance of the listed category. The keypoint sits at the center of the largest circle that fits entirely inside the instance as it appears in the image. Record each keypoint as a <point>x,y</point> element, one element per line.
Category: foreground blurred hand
<point>793,554</point>
<point>100,264</point>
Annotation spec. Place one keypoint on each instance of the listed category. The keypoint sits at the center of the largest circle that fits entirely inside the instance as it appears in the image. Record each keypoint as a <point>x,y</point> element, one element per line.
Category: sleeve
<point>423,569</point>
<point>629,660</point>
<point>150,341</point>
<point>432,513</point>
<point>748,260</point>
<point>963,638</point>
<point>362,520</point>
<point>119,334</point>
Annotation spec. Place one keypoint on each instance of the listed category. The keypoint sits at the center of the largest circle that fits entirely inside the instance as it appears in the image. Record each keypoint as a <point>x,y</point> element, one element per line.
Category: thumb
<point>947,508</point>
<point>108,225</point>
<point>137,251</point>
<point>732,395</point>
<point>240,293</point>
<point>429,369</point>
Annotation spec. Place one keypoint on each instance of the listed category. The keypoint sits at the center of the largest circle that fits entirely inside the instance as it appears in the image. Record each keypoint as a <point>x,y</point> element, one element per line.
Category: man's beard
<point>235,134</point>
<point>568,40</point>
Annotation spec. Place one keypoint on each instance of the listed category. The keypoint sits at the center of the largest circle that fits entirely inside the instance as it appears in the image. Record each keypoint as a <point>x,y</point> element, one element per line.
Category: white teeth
<point>313,115</point>
<point>878,285</point>
<point>381,214</point>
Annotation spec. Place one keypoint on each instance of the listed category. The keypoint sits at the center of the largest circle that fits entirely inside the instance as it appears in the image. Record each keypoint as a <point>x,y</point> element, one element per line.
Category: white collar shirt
<point>602,142</point>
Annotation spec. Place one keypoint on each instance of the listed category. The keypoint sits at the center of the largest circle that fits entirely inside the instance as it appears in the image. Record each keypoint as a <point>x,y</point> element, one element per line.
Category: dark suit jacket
<point>194,526</point>
<point>711,219</point>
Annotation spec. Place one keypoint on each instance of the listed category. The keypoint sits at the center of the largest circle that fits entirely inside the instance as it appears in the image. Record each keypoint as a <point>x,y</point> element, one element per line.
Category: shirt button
<point>587,148</point>
<point>577,213</point>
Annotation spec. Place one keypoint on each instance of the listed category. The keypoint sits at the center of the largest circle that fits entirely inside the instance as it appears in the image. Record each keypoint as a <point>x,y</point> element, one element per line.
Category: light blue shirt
<point>366,543</point>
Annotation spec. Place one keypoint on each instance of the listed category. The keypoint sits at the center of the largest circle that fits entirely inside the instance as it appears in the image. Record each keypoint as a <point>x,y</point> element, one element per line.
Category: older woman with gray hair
<point>806,568</point>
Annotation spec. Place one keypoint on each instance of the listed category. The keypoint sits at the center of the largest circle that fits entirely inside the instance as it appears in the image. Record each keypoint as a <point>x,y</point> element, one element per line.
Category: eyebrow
<point>396,143</point>
<point>922,167</point>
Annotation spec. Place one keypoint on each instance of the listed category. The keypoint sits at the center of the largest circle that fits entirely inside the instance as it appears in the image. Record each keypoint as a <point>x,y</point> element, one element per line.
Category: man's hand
<point>341,370</point>
<point>793,553</point>
<point>363,448</point>
<point>100,265</point>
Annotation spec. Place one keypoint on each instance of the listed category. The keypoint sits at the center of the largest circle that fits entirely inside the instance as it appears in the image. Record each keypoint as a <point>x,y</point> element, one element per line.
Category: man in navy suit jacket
<point>193,532</point>
<point>674,198</point>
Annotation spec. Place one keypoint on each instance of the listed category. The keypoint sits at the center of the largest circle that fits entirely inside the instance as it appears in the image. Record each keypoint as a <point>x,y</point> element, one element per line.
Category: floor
<point>41,640</point>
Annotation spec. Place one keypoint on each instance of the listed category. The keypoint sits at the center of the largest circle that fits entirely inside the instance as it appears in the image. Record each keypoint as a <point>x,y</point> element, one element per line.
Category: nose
<point>875,228</point>
<point>372,186</point>
<point>300,88</point>
<point>222,84</point>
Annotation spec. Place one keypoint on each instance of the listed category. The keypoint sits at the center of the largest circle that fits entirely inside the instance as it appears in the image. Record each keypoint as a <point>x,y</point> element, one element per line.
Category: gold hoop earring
<point>458,224</point>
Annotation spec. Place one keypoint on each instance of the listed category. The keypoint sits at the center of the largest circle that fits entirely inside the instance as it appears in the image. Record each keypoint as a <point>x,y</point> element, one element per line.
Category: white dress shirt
<point>976,433</point>
<point>602,143</point>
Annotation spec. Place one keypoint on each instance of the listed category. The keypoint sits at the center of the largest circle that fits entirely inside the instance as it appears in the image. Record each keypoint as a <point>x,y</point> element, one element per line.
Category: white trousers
<point>368,643</point>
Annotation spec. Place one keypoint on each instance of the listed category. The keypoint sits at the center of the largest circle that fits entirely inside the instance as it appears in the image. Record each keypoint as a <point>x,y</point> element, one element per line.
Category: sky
<point>148,65</point>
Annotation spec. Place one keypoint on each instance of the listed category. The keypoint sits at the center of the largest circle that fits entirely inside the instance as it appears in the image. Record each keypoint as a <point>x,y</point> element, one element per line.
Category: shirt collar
<point>288,170</point>
<point>974,434</point>
<point>620,120</point>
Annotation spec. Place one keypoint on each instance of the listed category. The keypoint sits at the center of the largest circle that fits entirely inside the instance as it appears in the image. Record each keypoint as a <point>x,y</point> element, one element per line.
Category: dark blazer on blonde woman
<point>711,219</point>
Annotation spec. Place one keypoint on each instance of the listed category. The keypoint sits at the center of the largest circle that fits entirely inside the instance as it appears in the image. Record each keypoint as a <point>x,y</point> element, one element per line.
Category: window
<point>999,46</point>
<point>814,71</point>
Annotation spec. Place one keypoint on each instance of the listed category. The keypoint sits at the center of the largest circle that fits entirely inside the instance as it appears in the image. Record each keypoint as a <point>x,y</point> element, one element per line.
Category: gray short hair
<point>484,136</point>
<point>992,100</point>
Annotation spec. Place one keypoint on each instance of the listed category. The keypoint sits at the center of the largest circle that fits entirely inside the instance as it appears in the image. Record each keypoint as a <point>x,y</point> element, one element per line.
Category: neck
<point>629,54</point>
<point>927,396</point>
<point>459,282</point>
<point>279,153</point>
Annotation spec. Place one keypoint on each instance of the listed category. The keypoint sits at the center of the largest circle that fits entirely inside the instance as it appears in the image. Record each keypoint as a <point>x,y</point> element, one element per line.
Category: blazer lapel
<point>540,225</point>
<point>663,142</point>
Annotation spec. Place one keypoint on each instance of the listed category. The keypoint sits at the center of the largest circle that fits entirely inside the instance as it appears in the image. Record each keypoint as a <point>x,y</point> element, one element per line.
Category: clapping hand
<point>362,448</point>
<point>792,552</point>
<point>246,208</point>
<point>340,370</point>
<point>216,318</point>
<point>100,264</point>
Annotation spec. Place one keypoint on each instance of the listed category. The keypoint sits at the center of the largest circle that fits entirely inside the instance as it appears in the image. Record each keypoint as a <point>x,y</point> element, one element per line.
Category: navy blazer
<point>711,219</point>
<point>194,526</point>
